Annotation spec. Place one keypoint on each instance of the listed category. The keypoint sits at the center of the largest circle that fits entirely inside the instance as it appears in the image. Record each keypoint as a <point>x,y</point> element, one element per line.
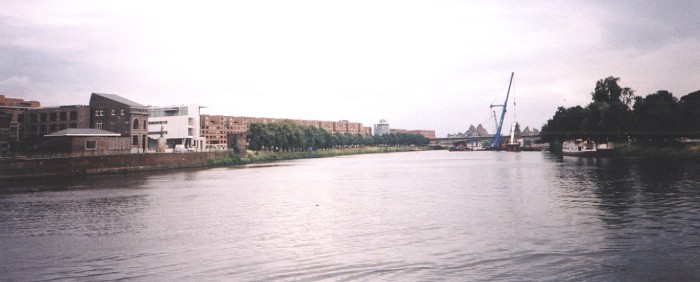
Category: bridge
<point>450,141</point>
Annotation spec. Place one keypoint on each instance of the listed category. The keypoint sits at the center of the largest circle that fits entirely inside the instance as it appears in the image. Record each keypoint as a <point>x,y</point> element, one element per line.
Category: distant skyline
<point>418,64</point>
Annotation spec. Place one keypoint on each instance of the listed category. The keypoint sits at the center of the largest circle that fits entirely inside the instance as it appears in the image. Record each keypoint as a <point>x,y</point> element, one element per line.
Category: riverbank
<point>18,168</point>
<point>116,164</point>
<point>268,156</point>
<point>650,151</point>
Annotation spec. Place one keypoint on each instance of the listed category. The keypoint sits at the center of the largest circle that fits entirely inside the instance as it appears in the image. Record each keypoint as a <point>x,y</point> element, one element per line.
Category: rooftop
<point>120,99</point>
<point>93,132</point>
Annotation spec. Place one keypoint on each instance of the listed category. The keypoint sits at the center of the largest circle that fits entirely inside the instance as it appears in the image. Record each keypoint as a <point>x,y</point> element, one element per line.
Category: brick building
<point>11,129</point>
<point>118,114</point>
<point>86,141</point>
<point>36,123</point>
<point>430,134</point>
<point>218,128</point>
<point>17,103</point>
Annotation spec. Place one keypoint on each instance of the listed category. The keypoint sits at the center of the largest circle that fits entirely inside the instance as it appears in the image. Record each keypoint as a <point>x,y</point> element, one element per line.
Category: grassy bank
<point>267,156</point>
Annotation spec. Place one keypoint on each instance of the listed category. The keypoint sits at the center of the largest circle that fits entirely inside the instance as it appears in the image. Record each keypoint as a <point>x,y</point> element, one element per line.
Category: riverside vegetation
<point>655,125</point>
<point>287,140</point>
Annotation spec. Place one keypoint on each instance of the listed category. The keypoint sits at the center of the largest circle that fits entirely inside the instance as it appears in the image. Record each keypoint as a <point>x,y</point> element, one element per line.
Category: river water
<point>437,215</point>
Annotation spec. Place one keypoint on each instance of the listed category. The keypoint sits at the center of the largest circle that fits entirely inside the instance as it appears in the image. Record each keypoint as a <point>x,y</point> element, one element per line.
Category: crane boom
<point>496,141</point>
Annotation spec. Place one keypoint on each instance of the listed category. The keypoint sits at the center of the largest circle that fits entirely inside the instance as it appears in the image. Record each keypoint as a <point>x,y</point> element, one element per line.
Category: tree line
<point>616,114</point>
<point>288,136</point>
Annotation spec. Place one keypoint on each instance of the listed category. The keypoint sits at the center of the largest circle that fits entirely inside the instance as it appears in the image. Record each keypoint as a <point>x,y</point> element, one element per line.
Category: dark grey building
<point>118,114</point>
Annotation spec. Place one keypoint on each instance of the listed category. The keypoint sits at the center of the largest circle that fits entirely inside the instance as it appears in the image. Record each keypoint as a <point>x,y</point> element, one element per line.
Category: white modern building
<point>179,126</point>
<point>382,128</point>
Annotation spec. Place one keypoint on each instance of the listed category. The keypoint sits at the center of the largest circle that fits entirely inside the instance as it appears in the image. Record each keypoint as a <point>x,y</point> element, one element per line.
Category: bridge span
<point>449,141</point>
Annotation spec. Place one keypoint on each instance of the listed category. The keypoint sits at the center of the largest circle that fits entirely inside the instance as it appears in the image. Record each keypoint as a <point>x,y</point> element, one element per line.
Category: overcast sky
<point>418,64</point>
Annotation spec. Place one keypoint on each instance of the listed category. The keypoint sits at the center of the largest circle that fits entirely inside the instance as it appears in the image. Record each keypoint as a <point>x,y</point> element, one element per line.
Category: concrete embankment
<point>91,165</point>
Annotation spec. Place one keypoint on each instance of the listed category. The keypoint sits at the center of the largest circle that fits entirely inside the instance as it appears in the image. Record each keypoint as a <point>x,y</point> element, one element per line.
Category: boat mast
<point>496,141</point>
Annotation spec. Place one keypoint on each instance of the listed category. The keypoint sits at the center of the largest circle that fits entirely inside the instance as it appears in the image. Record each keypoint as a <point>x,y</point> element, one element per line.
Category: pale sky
<point>418,64</point>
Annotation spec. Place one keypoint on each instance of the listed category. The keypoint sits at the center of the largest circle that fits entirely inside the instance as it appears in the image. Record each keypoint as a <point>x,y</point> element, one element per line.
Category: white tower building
<point>382,128</point>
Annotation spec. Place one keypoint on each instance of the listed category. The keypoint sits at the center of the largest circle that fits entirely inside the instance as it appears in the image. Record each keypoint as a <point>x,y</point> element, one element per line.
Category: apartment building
<point>218,129</point>
<point>430,134</point>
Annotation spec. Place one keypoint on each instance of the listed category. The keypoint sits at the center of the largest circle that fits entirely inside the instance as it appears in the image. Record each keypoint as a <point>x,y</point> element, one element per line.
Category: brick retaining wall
<point>89,165</point>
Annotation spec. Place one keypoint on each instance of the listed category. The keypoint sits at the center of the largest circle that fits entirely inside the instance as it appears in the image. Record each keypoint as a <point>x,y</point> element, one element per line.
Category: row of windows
<point>158,122</point>
<point>99,124</point>
<point>101,113</point>
<point>38,130</point>
<point>52,117</point>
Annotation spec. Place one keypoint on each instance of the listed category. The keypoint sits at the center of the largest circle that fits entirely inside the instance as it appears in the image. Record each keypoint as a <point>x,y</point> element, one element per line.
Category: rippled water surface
<point>401,216</point>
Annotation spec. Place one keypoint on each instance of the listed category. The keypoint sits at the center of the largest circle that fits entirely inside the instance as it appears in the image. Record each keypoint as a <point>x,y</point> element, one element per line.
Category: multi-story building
<point>218,129</point>
<point>12,129</point>
<point>35,123</point>
<point>366,131</point>
<point>179,125</point>
<point>328,126</point>
<point>382,128</point>
<point>340,126</point>
<point>118,114</point>
<point>17,103</point>
<point>430,134</point>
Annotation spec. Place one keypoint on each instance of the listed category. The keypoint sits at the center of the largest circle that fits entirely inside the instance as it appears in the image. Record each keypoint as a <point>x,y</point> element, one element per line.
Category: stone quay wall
<point>106,164</point>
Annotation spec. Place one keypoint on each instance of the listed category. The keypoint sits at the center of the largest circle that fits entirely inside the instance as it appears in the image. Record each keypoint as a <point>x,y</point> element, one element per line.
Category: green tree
<point>657,117</point>
<point>689,108</point>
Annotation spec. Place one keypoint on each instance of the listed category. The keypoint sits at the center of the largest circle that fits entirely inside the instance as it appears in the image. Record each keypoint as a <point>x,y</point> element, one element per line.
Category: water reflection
<point>405,216</point>
<point>650,212</point>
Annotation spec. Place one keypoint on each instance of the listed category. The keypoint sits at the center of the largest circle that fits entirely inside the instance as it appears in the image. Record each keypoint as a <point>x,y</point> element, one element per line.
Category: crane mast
<point>496,141</point>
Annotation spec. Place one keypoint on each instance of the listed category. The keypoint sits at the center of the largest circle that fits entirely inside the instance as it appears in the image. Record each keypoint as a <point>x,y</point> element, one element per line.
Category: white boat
<point>585,148</point>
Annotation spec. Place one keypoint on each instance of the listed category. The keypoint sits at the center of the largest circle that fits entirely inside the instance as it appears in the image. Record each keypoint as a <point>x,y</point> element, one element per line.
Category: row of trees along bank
<point>288,136</point>
<point>616,114</point>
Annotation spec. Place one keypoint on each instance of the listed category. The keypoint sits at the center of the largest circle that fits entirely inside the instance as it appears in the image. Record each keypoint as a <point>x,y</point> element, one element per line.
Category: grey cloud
<point>645,25</point>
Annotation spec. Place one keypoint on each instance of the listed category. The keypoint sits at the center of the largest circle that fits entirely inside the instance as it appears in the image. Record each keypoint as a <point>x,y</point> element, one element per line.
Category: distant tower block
<point>381,128</point>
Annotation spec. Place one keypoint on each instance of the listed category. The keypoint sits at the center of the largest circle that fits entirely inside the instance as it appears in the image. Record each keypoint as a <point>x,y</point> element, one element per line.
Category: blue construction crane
<point>496,141</point>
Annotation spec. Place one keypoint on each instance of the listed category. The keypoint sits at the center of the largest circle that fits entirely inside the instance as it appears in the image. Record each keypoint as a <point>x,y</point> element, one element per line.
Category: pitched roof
<point>91,132</point>
<point>119,99</point>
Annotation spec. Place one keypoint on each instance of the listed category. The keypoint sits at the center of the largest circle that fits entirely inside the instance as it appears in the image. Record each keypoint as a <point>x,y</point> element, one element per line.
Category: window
<point>52,128</point>
<point>53,116</point>
<point>98,124</point>
<point>136,124</point>
<point>20,117</point>
<point>90,144</point>
<point>114,112</point>
<point>73,116</point>
<point>43,117</point>
<point>135,140</point>
<point>62,126</point>
<point>73,125</point>
<point>99,113</point>
<point>63,116</point>
<point>122,112</point>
